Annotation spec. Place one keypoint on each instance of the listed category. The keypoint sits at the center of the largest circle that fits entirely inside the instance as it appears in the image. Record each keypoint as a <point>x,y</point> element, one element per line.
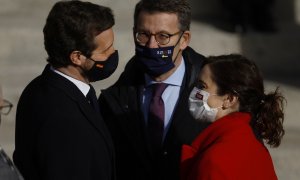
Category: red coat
<point>227,149</point>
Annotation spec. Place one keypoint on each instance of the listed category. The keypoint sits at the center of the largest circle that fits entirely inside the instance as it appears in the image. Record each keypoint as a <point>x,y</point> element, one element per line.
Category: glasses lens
<point>162,38</point>
<point>6,107</point>
<point>142,37</point>
<point>5,110</point>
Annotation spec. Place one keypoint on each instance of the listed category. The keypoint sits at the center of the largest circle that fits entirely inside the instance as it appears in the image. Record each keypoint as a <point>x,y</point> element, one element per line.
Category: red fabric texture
<point>227,149</point>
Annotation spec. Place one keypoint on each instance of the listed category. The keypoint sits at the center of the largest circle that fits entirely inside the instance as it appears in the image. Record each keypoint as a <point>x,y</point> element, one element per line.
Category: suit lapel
<point>134,123</point>
<point>76,95</point>
<point>140,140</point>
<point>127,105</point>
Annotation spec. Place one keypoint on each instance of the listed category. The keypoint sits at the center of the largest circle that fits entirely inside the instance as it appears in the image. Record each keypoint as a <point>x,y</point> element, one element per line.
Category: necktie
<point>92,98</point>
<point>156,117</point>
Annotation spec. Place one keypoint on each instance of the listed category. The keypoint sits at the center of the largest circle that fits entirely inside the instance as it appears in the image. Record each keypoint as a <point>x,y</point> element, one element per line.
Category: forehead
<point>206,77</point>
<point>157,21</point>
<point>205,74</point>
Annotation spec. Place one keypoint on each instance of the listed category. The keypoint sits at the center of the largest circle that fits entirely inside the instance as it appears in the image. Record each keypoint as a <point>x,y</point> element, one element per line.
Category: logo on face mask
<point>155,61</point>
<point>103,69</point>
<point>199,108</point>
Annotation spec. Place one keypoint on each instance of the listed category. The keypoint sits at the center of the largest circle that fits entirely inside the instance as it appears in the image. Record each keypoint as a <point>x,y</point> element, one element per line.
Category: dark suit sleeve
<point>58,142</point>
<point>25,132</point>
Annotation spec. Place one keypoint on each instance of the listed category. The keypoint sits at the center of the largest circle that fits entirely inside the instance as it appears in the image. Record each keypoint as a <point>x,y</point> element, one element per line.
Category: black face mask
<point>103,69</point>
<point>155,61</point>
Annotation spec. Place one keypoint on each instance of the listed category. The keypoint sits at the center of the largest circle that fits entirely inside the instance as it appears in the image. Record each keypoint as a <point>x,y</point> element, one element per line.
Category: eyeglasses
<point>160,38</point>
<point>5,107</point>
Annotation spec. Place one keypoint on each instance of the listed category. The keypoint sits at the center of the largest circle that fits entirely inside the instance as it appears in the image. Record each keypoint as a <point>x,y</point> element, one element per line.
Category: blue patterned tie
<point>156,116</point>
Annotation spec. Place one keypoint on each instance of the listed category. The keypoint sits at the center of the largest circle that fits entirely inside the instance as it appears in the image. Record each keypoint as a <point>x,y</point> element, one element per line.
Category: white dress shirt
<point>83,87</point>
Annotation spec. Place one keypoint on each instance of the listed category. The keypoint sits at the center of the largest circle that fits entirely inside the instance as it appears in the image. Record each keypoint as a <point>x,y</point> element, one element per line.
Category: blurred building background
<point>22,57</point>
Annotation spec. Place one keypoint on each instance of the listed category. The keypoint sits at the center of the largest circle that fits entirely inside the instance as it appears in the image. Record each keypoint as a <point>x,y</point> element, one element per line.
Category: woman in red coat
<point>230,94</point>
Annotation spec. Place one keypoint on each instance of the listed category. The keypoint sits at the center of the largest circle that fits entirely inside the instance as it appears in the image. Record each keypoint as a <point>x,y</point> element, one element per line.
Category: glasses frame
<point>7,104</point>
<point>149,35</point>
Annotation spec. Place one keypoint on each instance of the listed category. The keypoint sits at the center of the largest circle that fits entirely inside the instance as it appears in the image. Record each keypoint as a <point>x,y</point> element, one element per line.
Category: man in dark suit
<point>60,133</point>
<point>148,142</point>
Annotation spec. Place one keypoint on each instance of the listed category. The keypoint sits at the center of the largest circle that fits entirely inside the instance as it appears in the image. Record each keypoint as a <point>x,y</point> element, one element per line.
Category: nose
<point>152,43</point>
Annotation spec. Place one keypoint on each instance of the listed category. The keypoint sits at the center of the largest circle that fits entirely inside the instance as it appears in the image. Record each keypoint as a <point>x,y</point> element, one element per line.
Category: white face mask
<point>199,108</point>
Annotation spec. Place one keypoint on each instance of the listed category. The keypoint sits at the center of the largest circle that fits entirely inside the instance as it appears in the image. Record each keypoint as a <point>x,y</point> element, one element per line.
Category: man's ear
<point>76,57</point>
<point>185,39</point>
<point>230,101</point>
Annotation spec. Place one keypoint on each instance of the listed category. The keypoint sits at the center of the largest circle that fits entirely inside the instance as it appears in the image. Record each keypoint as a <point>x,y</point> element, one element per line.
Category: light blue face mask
<point>199,108</point>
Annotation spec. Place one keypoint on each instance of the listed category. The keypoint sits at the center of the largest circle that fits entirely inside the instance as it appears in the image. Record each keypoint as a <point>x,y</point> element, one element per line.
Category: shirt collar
<point>175,79</point>
<point>83,87</point>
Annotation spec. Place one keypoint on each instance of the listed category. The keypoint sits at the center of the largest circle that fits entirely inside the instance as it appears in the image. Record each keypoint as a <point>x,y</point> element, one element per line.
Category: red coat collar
<point>224,125</point>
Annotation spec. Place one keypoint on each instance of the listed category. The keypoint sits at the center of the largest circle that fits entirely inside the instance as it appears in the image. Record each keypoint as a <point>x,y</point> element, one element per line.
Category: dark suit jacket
<point>59,135</point>
<point>7,169</point>
<point>121,108</point>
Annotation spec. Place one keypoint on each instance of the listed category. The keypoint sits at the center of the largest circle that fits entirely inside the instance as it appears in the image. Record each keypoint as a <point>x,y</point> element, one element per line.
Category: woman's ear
<point>76,57</point>
<point>185,39</point>
<point>231,101</point>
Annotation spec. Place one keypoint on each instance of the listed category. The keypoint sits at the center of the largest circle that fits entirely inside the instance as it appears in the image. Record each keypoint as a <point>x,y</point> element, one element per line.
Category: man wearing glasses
<point>7,169</point>
<point>146,110</point>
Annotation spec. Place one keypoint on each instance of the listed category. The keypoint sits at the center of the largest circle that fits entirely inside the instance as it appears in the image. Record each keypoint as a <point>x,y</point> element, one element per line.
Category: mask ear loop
<point>176,45</point>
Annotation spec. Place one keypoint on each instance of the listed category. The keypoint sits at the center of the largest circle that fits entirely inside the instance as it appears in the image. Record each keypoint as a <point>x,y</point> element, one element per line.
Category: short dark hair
<point>73,25</point>
<point>236,75</point>
<point>179,7</point>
